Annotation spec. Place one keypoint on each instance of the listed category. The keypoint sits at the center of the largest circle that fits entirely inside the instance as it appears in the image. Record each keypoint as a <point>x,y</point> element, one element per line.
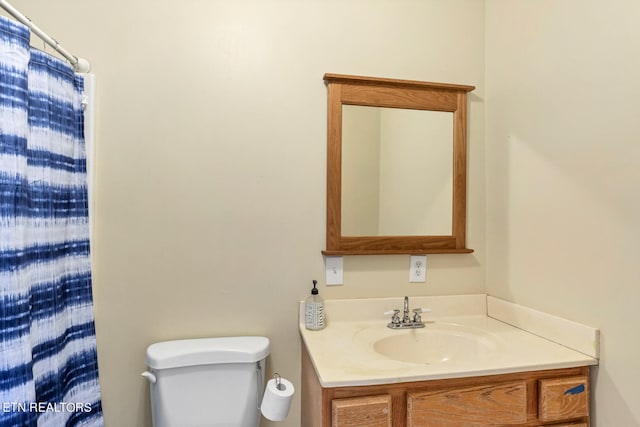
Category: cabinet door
<point>479,406</point>
<point>563,398</point>
<point>367,411</point>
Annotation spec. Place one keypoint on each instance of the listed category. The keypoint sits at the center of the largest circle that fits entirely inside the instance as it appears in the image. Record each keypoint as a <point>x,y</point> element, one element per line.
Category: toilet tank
<point>212,382</point>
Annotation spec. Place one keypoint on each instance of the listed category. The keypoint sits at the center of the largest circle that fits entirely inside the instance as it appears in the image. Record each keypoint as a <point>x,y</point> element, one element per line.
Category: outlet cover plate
<point>418,269</point>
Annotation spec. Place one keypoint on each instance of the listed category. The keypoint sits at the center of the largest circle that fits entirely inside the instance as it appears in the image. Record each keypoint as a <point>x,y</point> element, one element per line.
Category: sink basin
<point>436,343</point>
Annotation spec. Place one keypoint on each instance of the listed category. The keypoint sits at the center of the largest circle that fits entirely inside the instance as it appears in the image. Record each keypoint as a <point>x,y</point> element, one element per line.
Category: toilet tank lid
<point>206,351</point>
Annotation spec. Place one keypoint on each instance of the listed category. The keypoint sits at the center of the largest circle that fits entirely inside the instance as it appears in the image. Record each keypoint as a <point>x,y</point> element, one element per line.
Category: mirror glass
<point>397,171</point>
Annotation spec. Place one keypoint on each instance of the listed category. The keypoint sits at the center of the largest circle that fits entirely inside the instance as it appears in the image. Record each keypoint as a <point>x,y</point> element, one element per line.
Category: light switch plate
<point>418,269</point>
<point>334,270</point>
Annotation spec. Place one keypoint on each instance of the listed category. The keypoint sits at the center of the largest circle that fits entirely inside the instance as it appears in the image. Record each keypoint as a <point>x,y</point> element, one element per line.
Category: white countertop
<point>341,356</point>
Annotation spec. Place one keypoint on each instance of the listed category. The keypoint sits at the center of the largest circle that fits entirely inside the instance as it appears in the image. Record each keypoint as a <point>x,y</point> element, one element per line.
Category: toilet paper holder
<point>276,399</point>
<point>279,385</point>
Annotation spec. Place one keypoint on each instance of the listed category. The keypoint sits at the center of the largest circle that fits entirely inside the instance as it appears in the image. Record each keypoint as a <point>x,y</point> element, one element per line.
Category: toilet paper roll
<point>275,403</point>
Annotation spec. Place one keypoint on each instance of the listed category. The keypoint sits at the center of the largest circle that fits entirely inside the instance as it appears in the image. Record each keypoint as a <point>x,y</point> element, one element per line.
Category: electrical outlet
<point>334,270</point>
<point>418,268</point>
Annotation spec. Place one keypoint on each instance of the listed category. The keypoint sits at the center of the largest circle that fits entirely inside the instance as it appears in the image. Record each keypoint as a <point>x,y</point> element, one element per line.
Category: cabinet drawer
<point>495,404</point>
<point>563,398</point>
<point>367,411</point>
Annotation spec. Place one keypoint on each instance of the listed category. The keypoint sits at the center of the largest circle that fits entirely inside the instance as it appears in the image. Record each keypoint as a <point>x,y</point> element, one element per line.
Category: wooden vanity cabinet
<point>557,398</point>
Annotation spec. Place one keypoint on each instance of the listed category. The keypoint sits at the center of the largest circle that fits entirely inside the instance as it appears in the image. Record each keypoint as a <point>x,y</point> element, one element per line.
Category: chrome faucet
<point>406,322</point>
<point>405,316</point>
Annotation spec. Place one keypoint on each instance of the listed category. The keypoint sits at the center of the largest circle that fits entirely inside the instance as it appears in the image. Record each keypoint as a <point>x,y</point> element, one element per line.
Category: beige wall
<point>563,167</point>
<point>210,178</point>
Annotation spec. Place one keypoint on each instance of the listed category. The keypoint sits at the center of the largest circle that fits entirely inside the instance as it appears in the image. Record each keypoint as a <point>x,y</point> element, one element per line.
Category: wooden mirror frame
<point>392,93</point>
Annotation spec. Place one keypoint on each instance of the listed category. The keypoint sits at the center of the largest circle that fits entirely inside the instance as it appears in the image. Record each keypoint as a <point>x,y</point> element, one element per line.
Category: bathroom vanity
<point>465,368</point>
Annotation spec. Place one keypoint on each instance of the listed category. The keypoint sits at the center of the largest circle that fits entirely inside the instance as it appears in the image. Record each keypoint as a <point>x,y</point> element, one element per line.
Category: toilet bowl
<point>208,382</point>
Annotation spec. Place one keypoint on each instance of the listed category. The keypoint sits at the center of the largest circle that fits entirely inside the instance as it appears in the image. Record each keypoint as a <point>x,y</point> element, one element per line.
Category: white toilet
<point>209,382</point>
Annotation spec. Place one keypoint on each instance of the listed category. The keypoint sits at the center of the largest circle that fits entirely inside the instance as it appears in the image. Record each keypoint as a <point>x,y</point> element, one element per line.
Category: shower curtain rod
<point>80,65</point>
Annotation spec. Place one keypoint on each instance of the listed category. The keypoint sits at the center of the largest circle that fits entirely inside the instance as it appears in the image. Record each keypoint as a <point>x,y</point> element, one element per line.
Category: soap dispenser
<point>314,310</point>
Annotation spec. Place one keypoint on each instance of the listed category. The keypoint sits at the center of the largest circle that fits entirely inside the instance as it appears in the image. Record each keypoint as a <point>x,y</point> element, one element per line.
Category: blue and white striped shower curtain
<point>48,363</point>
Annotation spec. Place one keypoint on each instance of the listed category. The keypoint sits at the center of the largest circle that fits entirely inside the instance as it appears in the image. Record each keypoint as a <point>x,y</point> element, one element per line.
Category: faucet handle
<point>416,313</point>
<point>395,315</point>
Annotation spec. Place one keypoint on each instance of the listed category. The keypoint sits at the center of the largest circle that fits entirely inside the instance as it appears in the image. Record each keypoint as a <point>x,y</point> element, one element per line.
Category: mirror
<point>396,166</point>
